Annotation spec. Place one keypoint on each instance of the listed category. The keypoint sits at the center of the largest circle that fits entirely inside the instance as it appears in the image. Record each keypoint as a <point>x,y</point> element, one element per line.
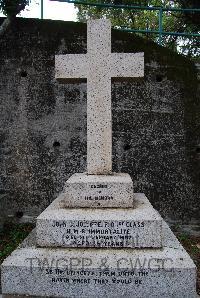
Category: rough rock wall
<point>156,133</point>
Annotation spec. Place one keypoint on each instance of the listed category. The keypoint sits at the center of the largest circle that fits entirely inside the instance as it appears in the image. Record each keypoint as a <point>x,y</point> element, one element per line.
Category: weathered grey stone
<point>155,121</point>
<point>140,226</point>
<point>83,190</point>
<point>155,273</point>
<point>91,272</point>
<point>98,66</point>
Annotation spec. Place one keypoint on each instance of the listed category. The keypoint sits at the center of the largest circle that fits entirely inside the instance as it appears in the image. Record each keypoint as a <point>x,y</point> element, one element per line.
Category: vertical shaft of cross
<point>99,65</point>
<point>99,119</point>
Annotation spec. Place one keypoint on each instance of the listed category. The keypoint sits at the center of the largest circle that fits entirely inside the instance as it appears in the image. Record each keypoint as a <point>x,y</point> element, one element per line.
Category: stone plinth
<point>140,226</point>
<point>166,272</point>
<point>99,191</point>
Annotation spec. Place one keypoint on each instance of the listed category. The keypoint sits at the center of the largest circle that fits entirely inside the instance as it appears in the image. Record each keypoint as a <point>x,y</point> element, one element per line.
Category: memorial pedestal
<point>98,239</point>
<point>139,226</point>
<point>100,252</point>
<point>98,191</point>
<point>91,272</point>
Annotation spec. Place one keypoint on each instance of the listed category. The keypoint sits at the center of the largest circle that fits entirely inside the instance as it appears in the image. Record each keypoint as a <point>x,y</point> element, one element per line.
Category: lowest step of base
<point>90,272</point>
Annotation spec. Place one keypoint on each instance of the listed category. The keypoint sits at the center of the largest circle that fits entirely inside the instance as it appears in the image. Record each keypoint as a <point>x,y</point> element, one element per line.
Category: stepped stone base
<point>99,191</point>
<point>140,226</point>
<point>76,272</point>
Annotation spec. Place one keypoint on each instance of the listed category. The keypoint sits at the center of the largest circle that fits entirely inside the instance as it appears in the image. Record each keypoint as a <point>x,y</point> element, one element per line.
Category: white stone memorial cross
<point>98,66</point>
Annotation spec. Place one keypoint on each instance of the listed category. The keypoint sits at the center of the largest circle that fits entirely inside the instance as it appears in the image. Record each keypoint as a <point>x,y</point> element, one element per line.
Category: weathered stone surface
<point>98,66</point>
<point>167,272</point>
<point>83,190</point>
<point>140,226</point>
<point>43,123</point>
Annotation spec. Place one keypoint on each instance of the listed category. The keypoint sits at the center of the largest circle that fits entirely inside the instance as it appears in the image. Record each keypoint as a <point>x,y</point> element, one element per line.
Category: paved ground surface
<point>2,296</point>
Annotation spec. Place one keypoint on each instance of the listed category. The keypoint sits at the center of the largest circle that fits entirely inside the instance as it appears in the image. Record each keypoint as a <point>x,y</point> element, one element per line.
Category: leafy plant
<point>11,8</point>
<point>172,21</point>
<point>11,236</point>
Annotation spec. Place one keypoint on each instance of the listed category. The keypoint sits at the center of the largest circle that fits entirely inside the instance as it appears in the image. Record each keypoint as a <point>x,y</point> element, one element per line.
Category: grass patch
<point>11,236</point>
<point>192,245</point>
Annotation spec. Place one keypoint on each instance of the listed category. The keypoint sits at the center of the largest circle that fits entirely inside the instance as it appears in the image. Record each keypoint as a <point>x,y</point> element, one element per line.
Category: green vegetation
<point>11,236</point>
<point>11,8</point>
<point>172,21</point>
<point>192,245</point>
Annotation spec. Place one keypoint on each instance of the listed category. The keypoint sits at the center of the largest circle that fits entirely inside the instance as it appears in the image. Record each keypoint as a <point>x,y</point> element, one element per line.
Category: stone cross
<point>98,66</point>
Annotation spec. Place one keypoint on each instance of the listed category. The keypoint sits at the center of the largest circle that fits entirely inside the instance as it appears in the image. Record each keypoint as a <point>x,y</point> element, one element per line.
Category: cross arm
<point>127,65</point>
<point>71,66</point>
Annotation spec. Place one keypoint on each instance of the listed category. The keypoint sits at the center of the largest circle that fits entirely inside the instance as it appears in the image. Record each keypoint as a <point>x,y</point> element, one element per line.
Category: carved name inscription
<point>99,186</point>
<point>98,197</point>
<point>100,233</point>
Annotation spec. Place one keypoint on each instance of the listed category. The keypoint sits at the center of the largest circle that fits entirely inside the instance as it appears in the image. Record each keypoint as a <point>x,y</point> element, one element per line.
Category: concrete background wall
<point>156,132</point>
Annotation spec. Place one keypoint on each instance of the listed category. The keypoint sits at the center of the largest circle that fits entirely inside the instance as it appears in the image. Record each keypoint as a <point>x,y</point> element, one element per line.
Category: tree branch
<point>20,8</point>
